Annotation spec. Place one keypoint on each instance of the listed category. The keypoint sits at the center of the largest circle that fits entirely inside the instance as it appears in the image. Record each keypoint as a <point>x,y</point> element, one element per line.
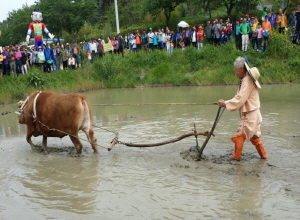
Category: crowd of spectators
<point>248,31</point>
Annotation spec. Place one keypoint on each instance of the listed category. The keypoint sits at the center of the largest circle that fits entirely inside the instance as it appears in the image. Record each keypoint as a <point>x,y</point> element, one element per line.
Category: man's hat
<point>254,74</point>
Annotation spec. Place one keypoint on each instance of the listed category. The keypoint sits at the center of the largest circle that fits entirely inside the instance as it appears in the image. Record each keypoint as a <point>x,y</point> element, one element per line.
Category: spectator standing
<point>173,38</point>
<point>133,44</point>
<point>34,58</point>
<point>272,18</point>
<point>150,38</point>
<point>55,58</point>
<point>86,46</point>
<point>244,29</point>
<point>65,54</point>
<point>187,36</point>
<point>138,40</point>
<point>168,42</point>
<point>5,63</point>
<point>59,60</point>
<point>93,48</point>
<point>1,64</point>
<point>200,37</point>
<point>163,38</point>
<point>120,44</point>
<point>41,58</point>
<point>229,30</point>
<point>194,37</point>
<point>178,36</point>
<point>266,28</point>
<point>259,37</point>
<point>100,48</point>
<point>144,39</point>
<point>223,38</point>
<point>254,33</point>
<point>216,32</point>
<point>292,21</point>
<point>12,61</point>
<point>74,51</point>
<point>155,40</point>
<point>23,61</point>
<point>207,32</point>
<point>297,18</point>
<point>115,45</point>
<point>264,13</point>
<point>295,36</point>
<point>72,61</point>
<point>130,38</point>
<point>18,60</point>
<point>48,58</point>
<point>281,21</point>
<point>89,55</point>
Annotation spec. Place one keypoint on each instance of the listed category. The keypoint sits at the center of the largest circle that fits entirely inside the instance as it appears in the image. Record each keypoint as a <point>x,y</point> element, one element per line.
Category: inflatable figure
<point>37,27</point>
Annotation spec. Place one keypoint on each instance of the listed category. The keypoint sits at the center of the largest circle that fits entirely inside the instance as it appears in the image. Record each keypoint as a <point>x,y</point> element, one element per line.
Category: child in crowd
<point>89,55</point>
<point>259,37</point>
<point>295,36</point>
<point>72,62</point>
<point>172,48</point>
<point>181,43</point>
<point>223,38</point>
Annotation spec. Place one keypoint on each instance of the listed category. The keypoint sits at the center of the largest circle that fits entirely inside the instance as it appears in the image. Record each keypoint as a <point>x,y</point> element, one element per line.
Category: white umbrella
<point>183,24</point>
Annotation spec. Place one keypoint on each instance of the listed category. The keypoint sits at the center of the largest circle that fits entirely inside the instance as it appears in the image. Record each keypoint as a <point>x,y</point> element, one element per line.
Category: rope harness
<point>115,140</point>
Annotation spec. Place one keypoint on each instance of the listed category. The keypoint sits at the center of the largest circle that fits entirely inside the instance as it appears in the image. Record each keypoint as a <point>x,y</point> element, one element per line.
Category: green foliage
<point>35,80</point>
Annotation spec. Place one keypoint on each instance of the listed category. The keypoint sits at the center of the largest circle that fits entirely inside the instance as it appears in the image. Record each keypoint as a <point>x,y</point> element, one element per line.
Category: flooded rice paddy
<point>162,182</point>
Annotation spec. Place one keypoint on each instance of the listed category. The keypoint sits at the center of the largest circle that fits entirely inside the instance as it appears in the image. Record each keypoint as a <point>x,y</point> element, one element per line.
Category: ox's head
<point>20,113</point>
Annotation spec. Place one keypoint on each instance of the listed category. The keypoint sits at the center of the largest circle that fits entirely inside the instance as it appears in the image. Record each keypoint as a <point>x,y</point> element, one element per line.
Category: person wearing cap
<point>247,102</point>
<point>207,32</point>
<point>244,29</point>
<point>65,54</point>
<point>272,18</point>
<point>150,38</point>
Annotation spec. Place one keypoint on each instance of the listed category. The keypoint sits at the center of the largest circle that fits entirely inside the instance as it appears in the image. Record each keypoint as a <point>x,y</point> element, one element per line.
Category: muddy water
<point>162,182</point>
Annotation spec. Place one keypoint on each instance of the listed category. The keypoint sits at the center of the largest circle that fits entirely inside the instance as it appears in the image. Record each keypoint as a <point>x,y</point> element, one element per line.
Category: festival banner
<point>108,47</point>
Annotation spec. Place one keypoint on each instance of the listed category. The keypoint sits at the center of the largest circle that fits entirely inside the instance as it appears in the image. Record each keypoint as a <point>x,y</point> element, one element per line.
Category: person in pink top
<point>259,36</point>
<point>247,102</point>
<point>115,44</point>
<point>18,60</point>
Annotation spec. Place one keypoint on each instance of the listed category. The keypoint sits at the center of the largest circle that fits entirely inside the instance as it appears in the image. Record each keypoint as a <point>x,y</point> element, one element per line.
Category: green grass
<point>210,66</point>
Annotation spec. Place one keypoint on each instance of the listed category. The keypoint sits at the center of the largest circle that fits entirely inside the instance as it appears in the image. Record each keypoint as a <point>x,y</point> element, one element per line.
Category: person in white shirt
<point>72,62</point>
<point>93,48</point>
<point>150,38</point>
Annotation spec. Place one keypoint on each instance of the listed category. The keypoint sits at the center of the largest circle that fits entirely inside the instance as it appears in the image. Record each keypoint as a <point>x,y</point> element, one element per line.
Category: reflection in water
<point>156,183</point>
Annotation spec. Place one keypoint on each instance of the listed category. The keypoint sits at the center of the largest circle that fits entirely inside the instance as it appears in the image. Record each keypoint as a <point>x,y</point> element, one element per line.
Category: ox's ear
<point>20,103</point>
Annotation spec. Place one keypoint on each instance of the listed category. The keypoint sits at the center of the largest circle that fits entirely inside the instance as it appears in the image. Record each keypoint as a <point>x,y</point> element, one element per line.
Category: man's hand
<point>221,103</point>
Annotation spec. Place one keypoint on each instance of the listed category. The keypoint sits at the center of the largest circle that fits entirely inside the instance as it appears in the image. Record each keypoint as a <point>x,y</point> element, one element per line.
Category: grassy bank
<point>210,66</point>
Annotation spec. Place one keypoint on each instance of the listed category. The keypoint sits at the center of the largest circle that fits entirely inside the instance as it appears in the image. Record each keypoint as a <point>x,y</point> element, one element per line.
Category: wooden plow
<point>194,133</point>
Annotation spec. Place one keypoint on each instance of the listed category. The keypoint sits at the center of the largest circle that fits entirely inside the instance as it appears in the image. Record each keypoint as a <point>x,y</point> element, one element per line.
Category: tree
<point>167,6</point>
<point>15,27</point>
<point>66,15</point>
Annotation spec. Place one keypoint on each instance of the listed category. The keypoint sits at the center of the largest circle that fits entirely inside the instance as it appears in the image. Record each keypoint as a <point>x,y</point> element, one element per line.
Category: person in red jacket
<point>200,37</point>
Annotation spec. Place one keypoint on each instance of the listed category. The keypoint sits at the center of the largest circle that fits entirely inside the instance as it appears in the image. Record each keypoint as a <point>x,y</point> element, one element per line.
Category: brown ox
<point>57,115</point>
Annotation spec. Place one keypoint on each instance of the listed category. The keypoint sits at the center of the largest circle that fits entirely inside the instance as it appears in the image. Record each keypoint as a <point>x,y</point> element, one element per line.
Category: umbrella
<point>183,24</point>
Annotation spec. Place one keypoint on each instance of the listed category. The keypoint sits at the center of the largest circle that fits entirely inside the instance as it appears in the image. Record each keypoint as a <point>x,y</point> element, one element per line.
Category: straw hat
<point>254,74</point>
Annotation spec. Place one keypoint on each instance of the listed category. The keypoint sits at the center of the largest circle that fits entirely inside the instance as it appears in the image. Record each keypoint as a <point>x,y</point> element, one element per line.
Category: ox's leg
<point>77,143</point>
<point>28,137</point>
<point>44,143</point>
<point>91,137</point>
